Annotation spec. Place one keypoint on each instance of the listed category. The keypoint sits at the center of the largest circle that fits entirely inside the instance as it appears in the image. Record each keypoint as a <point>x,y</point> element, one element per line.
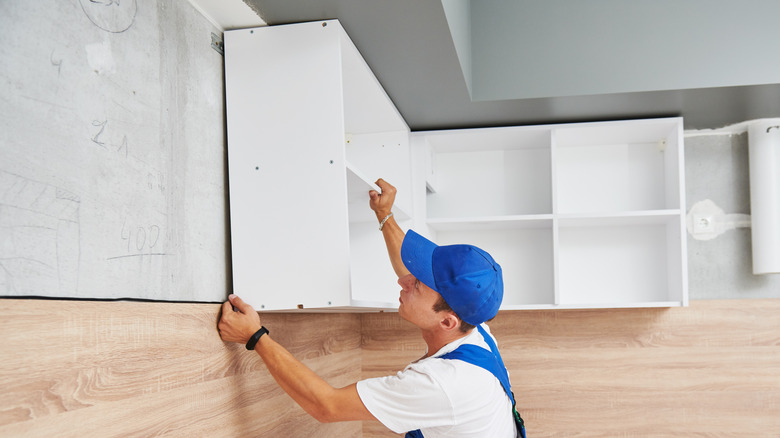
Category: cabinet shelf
<point>620,218</point>
<point>491,222</point>
<point>358,187</point>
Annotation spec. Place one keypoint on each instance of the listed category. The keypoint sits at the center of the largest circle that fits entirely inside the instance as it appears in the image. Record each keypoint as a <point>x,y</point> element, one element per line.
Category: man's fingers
<point>382,184</point>
<point>239,304</point>
<point>226,307</point>
<point>385,186</point>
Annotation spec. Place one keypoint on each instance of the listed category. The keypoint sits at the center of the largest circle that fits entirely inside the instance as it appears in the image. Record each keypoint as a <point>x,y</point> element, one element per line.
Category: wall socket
<point>703,224</point>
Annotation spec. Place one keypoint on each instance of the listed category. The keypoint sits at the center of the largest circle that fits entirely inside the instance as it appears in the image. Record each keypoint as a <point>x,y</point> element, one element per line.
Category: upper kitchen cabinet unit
<point>578,215</point>
<point>310,130</point>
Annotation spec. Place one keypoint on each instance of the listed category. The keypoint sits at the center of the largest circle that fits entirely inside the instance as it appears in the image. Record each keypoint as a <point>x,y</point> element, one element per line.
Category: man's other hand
<point>239,321</point>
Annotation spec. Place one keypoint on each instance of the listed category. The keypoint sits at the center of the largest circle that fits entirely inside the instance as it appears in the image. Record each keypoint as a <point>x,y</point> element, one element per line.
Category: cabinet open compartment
<point>617,166</point>
<point>622,261</point>
<point>373,282</point>
<point>488,173</point>
<point>523,248</point>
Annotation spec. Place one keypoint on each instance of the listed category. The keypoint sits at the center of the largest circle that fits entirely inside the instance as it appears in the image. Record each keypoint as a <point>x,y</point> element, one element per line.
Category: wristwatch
<point>250,344</point>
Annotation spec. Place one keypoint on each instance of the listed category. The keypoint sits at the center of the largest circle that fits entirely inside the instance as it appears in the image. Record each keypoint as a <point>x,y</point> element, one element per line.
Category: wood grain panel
<point>82,368</point>
<point>707,370</point>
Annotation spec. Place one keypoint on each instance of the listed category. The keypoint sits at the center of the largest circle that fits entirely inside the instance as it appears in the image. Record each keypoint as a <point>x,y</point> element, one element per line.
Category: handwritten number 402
<point>140,238</point>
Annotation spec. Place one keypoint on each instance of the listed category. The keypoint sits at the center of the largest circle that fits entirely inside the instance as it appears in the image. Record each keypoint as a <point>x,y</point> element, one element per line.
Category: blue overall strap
<point>488,360</point>
<point>491,361</point>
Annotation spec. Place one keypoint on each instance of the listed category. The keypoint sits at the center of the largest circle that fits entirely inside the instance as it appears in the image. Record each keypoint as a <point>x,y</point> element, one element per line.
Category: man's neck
<point>436,340</point>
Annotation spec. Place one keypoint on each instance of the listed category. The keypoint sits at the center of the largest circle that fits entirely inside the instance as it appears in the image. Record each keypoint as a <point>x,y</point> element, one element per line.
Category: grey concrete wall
<point>533,49</point>
<point>716,168</point>
<point>112,152</point>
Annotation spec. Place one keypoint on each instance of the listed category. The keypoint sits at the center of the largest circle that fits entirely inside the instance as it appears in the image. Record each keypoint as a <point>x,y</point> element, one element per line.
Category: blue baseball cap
<point>468,278</point>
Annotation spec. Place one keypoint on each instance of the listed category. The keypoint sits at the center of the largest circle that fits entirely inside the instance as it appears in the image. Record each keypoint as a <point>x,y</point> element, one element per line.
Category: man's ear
<point>449,321</point>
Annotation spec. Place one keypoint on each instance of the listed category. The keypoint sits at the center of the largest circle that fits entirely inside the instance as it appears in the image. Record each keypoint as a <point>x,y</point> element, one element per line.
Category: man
<point>459,388</point>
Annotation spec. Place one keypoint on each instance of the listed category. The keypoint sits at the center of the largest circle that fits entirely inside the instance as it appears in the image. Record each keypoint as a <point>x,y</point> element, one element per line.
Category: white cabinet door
<point>305,114</point>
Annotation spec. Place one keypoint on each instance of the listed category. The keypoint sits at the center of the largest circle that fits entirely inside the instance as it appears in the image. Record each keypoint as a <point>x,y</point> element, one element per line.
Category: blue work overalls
<point>489,360</point>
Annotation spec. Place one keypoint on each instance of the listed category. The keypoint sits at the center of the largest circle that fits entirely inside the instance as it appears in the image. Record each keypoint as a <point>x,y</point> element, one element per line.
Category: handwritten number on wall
<point>102,125</point>
<point>140,238</point>
<point>99,136</point>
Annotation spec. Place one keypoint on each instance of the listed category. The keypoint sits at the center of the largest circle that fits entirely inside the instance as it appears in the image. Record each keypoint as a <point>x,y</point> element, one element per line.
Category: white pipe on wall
<point>764,156</point>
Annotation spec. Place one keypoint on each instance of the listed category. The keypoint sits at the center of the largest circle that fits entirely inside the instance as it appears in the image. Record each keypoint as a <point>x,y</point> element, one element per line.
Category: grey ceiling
<point>408,45</point>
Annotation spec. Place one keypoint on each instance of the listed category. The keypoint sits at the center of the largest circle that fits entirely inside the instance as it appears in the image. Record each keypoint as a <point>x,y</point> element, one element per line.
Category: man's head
<point>466,277</point>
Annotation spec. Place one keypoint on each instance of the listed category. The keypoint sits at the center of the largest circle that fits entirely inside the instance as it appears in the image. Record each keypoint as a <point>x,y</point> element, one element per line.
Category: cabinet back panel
<point>492,183</point>
<point>610,178</point>
<point>613,265</point>
<point>371,273</point>
<point>525,256</point>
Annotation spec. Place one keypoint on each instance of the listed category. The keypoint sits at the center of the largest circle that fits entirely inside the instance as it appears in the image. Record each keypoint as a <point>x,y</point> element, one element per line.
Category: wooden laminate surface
<point>711,369</point>
<point>117,369</point>
<point>122,369</point>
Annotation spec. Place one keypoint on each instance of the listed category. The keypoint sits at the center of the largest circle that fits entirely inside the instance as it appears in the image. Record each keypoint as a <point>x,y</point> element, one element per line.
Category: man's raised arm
<point>382,204</point>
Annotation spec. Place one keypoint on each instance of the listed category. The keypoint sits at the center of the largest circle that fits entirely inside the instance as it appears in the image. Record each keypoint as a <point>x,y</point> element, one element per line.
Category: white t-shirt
<point>442,398</point>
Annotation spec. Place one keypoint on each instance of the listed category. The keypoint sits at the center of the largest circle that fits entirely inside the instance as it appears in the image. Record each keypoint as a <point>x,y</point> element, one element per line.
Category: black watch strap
<point>250,344</point>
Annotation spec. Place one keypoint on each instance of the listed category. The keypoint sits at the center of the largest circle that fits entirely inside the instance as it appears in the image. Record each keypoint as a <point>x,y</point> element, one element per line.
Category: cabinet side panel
<point>286,156</point>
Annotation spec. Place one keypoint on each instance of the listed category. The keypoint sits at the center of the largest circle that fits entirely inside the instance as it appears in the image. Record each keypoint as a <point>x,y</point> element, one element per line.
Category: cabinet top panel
<point>468,140</point>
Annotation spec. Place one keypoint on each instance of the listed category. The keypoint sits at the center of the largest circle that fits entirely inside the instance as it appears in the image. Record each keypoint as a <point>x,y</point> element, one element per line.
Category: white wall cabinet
<point>578,215</point>
<point>309,131</point>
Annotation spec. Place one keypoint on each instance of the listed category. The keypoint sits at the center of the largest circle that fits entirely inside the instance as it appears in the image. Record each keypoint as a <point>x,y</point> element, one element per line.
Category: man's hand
<point>240,324</point>
<point>382,203</point>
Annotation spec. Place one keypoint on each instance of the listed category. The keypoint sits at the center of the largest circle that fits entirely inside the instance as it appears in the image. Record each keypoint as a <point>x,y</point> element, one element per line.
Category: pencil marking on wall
<point>102,125</point>
<point>113,16</point>
<point>156,181</point>
<point>39,237</point>
<point>140,241</point>
<point>56,62</point>
<point>100,138</point>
